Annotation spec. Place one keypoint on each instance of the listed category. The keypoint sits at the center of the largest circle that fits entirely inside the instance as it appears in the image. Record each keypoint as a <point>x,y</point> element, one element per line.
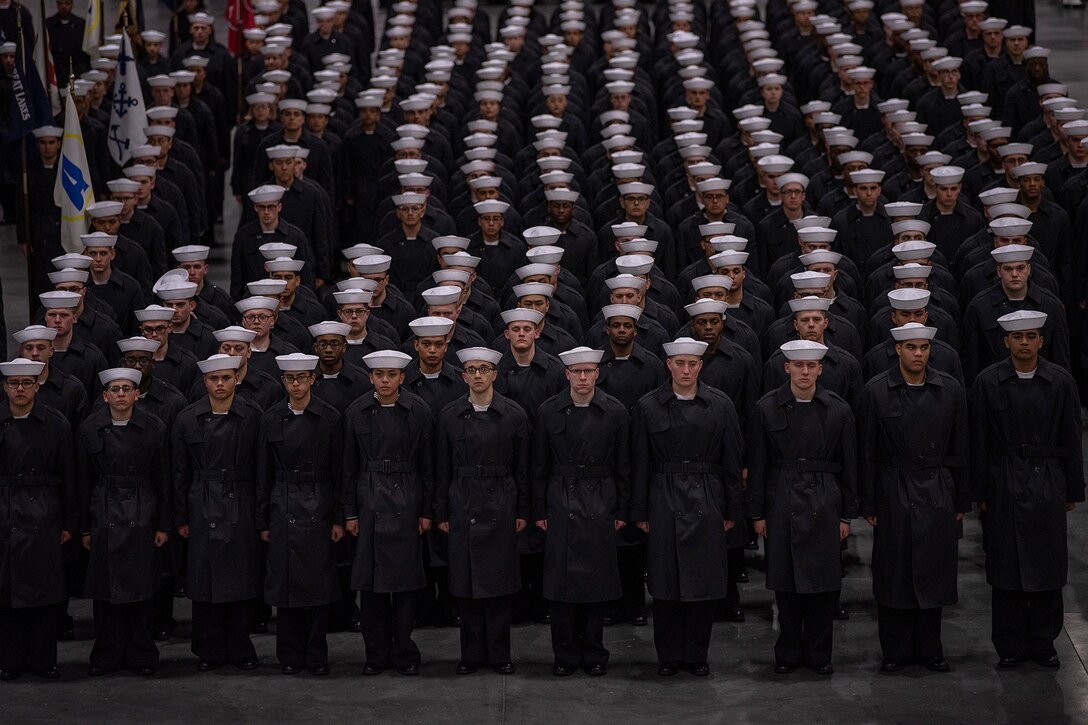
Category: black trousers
<point>682,631</point>
<point>221,632</point>
<point>123,635</point>
<point>632,565</point>
<point>578,633</point>
<point>805,624</point>
<point>485,630</point>
<point>387,621</point>
<point>1025,624</point>
<point>344,610</point>
<point>529,603</point>
<point>909,634</point>
<point>300,636</point>
<point>435,604</point>
<point>162,605</point>
<point>28,637</point>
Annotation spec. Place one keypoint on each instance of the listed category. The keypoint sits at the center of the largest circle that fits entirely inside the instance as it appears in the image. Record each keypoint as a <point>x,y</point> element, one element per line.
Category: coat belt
<point>117,481</point>
<point>481,471</point>
<point>388,466</point>
<point>920,462</point>
<point>807,465</point>
<point>29,479</point>
<point>686,467</point>
<point>1026,451</point>
<point>584,471</point>
<point>302,476</point>
<point>225,475</point>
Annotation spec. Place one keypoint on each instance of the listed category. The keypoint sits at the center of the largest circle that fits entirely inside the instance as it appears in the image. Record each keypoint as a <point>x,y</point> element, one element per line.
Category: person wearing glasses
<point>38,504</point>
<point>353,310</point>
<point>246,261</point>
<point>686,458</point>
<point>173,364</point>
<point>339,382</point>
<point>123,468</point>
<point>213,449</point>
<point>298,515</point>
<point>259,315</point>
<point>581,493</point>
<point>482,502</point>
<point>387,497</point>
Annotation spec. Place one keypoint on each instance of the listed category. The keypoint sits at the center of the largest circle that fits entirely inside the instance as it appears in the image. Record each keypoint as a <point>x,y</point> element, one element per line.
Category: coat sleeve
<point>641,466</point>
<point>755,492</point>
<point>961,448</point>
<point>520,467</point>
<point>336,445</point>
<point>443,473</point>
<point>71,502</point>
<point>85,475</point>
<point>621,465</point>
<point>349,468</point>
<point>265,473</point>
<point>979,432</point>
<point>731,461</point>
<point>848,456</point>
<point>868,440</point>
<point>160,468</point>
<point>426,460</point>
<point>1071,432</point>
<point>183,475</point>
<point>540,460</point>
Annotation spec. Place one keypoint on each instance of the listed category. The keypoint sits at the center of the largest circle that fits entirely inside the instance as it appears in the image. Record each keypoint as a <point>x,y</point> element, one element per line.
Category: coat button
<point>290,520</point>
<point>111,525</point>
<point>1038,470</point>
<point>313,519</point>
<point>472,521</point>
<point>211,525</point>
<point>132,524</point>
<point>593,517</point>
<point>570,516</point>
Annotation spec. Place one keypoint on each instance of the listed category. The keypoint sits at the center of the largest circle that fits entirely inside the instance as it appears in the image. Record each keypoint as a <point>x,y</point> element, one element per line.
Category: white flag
<point>92,31</point>
<point>72,192</point>
<point>128,115</point>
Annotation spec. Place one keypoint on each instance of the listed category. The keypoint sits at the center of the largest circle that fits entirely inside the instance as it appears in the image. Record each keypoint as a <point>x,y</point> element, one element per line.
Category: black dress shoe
<point>290,670</point>
<point>666,670</point>
<point>544,619</point>
<point>785,669</point>
<point>68,634</point>
<point>506,668</point>
<point>1007,663</point>
<point>319,670</point>
<point>742,578</point>
<point>409,670</point>
<point>597,670</point>
<point>259,628</point>
<point>890,666</point>
<point>937,664</point>
<point>355,626</point>
<point>97,671</point>
<point>143,671</point>
<point>841,614</point>
<point>609,621</point>
<point>9,675</point>
<point>734,614</point>
<point>248,665</point>
<point>49,673</point>
<point>639,620</point>
<point>824,669</point>
<point>562,671</point>
<point>160,635</point>
<point>370,670</point>
<point>1049,661</point>
<point>466,668</point>
<point>205,666</point>
<point>699,670</point>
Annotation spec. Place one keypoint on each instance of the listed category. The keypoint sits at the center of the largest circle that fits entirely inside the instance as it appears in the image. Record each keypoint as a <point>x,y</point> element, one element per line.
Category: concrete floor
<point>741,688</point>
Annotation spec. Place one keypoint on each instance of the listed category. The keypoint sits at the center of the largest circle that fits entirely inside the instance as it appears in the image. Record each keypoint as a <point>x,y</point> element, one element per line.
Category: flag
<point>49,75</point>
<point>72,192</point>
<point>92,31</point>
<point>239,17</point>
<point>29,104</point>
<point>128,115</point>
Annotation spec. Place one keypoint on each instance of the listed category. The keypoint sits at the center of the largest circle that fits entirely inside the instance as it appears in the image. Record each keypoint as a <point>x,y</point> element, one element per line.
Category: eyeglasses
<point>328,344</point>
<point>792,192</point>
<point>713,197</point>
<point>482,370</point>
<point>156,330</point>
<point>292,379</point>
<point>354,312</point>
<point>20,384</point>
<point>116,389</point>
<point>257,318</point>
<point>582,373</point>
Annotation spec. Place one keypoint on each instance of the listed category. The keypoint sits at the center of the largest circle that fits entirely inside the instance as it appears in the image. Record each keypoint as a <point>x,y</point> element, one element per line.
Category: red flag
<point>239,15</point>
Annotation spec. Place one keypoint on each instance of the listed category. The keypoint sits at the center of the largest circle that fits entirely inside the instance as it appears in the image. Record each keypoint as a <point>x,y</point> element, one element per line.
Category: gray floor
<point>741,687</point>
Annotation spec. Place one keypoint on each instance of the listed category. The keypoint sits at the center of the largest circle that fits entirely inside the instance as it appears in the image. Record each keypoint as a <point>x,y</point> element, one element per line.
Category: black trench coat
<point>37,502</point>
<point>581,486</point>
<point>124,491</point>
<point>214,466</point>
<point>388,485</point>
<point>1026,463</point>
<point>802,465</point>
<point>298,486</point>
<point>912,471</point>
<point>481,487</point>
<point>686,464</point>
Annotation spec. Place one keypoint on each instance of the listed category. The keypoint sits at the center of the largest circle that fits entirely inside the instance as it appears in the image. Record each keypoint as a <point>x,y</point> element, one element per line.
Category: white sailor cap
<point>519,314</point>
<point>684,346</point>
<point>48,132</point>
<point>910,225</point>
<point>110,375</point>
<point>636,264</point>
<point>266,193</point>
<point>998,195</point>
<point>626,281</point>
<point>431,326</point>
<point>797,350</point>
<point>809,303</point>
<point>908,298</point>
<point>638,246</point>
<point>353,295</point>
<point>234,333</point>
<point>541,236</point>
<point>545,254</point>
<point>820,256</point>
<point>632,311</point>
<point>123,186</point>
<point>284,264</point>
<point>728,258</point>
<point>329,327</point>
<point>372,263</point>
<point>728,243</point>
<point>712,280</point>
<point>154,313</point>
<point>490,206</point>
<point>459,276</point>
<point>581,356</point>
<point>480,354</point>
<point>1022,320</point>
<point>1010,227</point>
<point>174,285</point>
<point>21,366</point>
<point>98,239</point>
<point>898,209</point>
<point>912,270</point>
<point>705,306</point>
<point>257,302</point>
<point>191,253</point>
<point>810,280</point>
<point>215,363</point>
<point>534,270</point>
<point>947,175</point>
<point>296,362</point>
<point>527,289</point>
<point>628,229</point>
<point>102,209</point>
<point>913,331</point>
<point>817,235</point>
<point>71,261</point>
<point>442,295</point>
<point>387,360</point>
<point>1012,253</point>
<point>69,275</point>
<point>137,344</point>
<point>1031,168</point>
<point>36,332</point>
<point>266,287</point>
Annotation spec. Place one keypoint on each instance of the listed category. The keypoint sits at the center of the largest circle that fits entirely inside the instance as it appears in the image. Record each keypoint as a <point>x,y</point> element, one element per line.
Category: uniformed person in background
<point>801,494</point>
<point>213,449</point>
<point>914,490</point>
<point>123,464</point>
<point>686,474</point>
<point>38,506</point>
<point>387,497</point>
<point>1027,473</point>
<point>298,515</point>
<point>581,493</point>
<point>482,502</point>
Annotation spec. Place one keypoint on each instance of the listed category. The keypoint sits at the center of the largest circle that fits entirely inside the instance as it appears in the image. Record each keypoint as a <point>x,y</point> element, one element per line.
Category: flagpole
<point>28,248</point>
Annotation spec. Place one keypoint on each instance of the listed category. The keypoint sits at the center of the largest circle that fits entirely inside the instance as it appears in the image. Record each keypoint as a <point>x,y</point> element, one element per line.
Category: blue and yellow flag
<point>73,192</point>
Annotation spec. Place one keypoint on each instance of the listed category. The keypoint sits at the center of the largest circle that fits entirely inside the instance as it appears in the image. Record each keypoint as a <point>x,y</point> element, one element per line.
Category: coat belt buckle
<point>684,467</point>
<point>385,465</point>
<point>802,465</point>
<point>479,471</point>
